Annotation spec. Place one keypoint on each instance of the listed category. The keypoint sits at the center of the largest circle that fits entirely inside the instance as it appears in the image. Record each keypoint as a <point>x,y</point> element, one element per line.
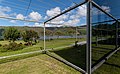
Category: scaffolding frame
<point>90,3</point>
<point>109,54</point>
<point>72,65</point>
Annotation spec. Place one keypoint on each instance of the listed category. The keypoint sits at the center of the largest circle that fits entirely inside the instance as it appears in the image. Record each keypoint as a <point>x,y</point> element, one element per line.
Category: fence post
<point>88,49</point>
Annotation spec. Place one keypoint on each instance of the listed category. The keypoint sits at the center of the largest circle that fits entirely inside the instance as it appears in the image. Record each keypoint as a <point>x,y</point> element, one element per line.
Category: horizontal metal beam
<point>104,58</point>
<point>105,21</point>
<point>10,18</point>
<point>71,8</point>
<point>66,62</point>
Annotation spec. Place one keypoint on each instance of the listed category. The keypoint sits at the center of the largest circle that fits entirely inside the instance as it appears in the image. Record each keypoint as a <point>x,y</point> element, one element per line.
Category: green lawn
<point>41,64</point>
<point>71,54</point>
<point>49,44</point>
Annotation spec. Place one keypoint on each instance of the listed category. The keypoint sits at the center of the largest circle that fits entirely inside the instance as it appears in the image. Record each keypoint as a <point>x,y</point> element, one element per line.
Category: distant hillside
<point>49,30</point>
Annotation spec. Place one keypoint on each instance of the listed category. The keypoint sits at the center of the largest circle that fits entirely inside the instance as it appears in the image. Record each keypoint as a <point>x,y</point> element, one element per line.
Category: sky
<point>112,5</point>
<point>41,10</point>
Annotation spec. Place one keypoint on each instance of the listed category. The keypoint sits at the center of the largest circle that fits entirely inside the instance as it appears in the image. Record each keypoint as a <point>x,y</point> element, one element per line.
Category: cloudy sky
<point>111,6</point>
<point>41,10</point>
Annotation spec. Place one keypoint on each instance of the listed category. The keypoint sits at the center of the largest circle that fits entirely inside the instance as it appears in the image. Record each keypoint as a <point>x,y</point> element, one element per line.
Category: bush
<point>1,39</point>
<point>13,46</point>
<point>0,45</point>
<point>28,44</point>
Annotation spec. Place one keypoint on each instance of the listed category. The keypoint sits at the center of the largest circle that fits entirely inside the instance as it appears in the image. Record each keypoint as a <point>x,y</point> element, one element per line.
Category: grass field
<point>49,44</point>
<point>41,64</point>
<point>24,64</point>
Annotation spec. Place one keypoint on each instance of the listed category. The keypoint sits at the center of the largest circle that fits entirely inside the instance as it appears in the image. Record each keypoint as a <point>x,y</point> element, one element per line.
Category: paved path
<point>40,51</point>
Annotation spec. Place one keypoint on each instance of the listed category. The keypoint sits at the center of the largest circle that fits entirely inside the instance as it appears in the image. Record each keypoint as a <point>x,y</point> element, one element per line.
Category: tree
<point>34,36</point>
<point>30,35</point>
<point>11,34</point>
<point>1,33</point>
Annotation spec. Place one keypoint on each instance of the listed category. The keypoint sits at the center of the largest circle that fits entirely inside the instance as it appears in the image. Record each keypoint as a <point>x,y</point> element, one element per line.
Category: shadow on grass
<point>102,47</point>
<point>107,63</point>
<point>109,41</point>
<point>75,55</point>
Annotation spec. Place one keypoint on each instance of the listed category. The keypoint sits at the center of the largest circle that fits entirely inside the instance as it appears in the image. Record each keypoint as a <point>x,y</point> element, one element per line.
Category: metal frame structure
<point>89,27</point>
<point>71,8</point>
<point>90,3</point>
<point>109,54</point>
<point>88,66</point>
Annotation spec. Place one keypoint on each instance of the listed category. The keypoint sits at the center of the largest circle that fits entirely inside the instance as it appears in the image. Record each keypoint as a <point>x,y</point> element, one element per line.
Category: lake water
<point>60,37</point>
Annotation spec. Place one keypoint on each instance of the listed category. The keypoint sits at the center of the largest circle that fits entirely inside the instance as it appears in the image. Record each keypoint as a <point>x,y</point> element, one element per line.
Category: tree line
<point>12,34</point>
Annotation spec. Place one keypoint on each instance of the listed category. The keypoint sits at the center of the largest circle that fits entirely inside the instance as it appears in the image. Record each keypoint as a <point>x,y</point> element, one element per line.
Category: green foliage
<point>11,34</point>
<point>30,35</point>
<point>1,32</point>
<point>13,46</point>
<point>0,45</point>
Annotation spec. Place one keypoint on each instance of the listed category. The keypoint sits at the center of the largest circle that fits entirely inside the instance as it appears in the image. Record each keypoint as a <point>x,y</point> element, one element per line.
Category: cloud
<point>4,10</point>
<point>106,8</point>
<point>60,19</point>
<point>46,17</point>
<point>20,16</point>
<point>12,21</point>
<point>46,25</point>
<point>96,11</point>
<point>54,11</point>
<point>36,25</point>
<point>72,22</point>
<point>35,16</point>
<point>80,12</point>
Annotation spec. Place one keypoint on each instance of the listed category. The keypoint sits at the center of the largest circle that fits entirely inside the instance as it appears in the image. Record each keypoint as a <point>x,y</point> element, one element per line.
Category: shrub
<point>41,48</point>
<point>28,44</point>
<point>13,46</point>
<point>0,45</point>
<point>1,39</point>
<point>4,48</point>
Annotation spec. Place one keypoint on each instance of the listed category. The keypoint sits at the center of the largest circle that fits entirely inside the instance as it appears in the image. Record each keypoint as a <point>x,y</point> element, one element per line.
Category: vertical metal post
<point>44,37</point>
<point>76,33</point>
<point>116,34</point>
<point>89,31</point>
